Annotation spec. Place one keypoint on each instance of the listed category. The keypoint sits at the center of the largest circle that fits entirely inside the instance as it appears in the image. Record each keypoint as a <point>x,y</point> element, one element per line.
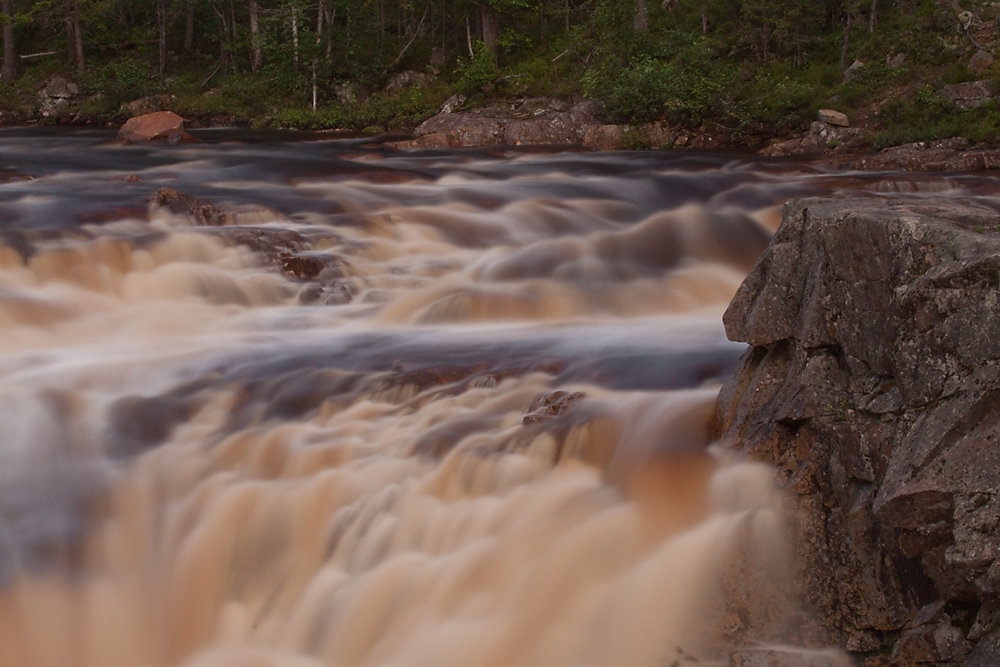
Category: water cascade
<point>476,436</point>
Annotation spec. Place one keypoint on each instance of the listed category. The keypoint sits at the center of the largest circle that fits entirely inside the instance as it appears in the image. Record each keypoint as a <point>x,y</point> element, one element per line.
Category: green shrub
<point>686,88</point>
<point>478,71</point>
<point>121,81</point>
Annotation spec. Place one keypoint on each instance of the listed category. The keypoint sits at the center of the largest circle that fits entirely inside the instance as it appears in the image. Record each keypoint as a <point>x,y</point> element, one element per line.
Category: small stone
<point>950,643</point>
<point>453,104</point>
<point>833,117</point>
<point>980,62</point>
<point>896,61</point>
<point>59,87</point>
<point>916,645</point>
<point>853,70</point>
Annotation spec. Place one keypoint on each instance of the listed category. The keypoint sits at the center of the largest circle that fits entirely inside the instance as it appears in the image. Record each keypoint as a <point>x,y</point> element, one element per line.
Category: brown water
<point>205,462</point>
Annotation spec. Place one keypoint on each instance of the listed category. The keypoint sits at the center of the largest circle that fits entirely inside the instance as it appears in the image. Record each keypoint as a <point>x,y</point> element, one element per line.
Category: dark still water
<point>451,413</point>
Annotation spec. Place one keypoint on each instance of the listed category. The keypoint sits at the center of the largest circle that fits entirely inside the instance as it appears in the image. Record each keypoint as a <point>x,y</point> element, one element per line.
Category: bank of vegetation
<point>745,68</point>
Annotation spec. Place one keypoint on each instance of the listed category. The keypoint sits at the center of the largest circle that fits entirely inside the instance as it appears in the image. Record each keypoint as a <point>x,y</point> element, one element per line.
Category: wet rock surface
<point>202,211</point>
<point>547,406</point>
<point>872,383</point>
<point>288,251</point>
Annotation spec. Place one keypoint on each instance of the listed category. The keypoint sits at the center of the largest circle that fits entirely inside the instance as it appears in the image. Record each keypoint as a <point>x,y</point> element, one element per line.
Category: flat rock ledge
<point>955,154</point>
<point>541,122</point>
<point>872,385</point>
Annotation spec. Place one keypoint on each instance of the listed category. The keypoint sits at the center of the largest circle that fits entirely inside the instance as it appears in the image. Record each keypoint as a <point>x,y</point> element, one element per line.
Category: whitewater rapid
<point>482,438</point>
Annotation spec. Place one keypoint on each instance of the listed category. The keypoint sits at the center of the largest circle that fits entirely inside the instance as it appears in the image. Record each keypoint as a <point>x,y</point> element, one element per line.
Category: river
<point>478,437</point>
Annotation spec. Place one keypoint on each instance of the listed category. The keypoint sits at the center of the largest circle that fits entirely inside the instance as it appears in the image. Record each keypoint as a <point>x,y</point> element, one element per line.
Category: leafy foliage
<point>478,71</point>
<point>752,66</point>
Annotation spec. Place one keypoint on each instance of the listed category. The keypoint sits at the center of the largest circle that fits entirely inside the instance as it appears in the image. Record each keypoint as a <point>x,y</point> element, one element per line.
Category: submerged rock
<point>553,404</point>
<point>872,383</point>
<point>202,211</point>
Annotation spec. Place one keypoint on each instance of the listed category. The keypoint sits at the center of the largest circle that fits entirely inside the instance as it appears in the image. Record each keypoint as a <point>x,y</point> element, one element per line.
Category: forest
<point>749,67</point>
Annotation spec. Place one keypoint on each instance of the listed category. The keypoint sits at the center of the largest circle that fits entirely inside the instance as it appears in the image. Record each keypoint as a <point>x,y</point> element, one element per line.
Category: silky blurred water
<point>480,438</point>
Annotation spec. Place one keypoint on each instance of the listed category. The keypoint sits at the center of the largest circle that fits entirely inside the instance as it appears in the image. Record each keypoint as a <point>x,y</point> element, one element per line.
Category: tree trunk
<point>320,14</point>
<point>224,58</point>
<point>704,18</point>
<point>641,21</point>
<point>490,27</point>
<point>70,33</point>
<point>871,17</point>
<point>330,17</point>
<point>257,58</point>
<point>74,36</point>
<point>81,66</point>
<point>847,37</point>
<point>189,27</point>
<point>9,55</point>
<point>295,35</point>
<point>161,24</point>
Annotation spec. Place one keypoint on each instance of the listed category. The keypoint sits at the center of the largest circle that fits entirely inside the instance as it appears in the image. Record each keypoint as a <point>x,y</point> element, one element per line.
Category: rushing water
<point>205,461</point>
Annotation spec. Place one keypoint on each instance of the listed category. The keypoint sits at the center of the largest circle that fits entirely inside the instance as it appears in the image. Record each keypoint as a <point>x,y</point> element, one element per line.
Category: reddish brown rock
<point>604,137</point>
<point>433,140</point>
<point>161,125</point>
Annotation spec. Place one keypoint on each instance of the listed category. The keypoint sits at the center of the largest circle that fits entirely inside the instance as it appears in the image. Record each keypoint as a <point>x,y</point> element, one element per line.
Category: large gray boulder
<point>535,122</point>
<point>872,384</point>
<point>970,94</point>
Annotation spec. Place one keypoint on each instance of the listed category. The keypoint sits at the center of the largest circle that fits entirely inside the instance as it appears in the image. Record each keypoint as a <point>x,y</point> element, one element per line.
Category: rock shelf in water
<point>872,383</point>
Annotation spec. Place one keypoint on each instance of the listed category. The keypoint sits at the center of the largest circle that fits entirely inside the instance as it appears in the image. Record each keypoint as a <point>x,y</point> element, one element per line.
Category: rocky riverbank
<point>832,140</point>
<point>872,384</point>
